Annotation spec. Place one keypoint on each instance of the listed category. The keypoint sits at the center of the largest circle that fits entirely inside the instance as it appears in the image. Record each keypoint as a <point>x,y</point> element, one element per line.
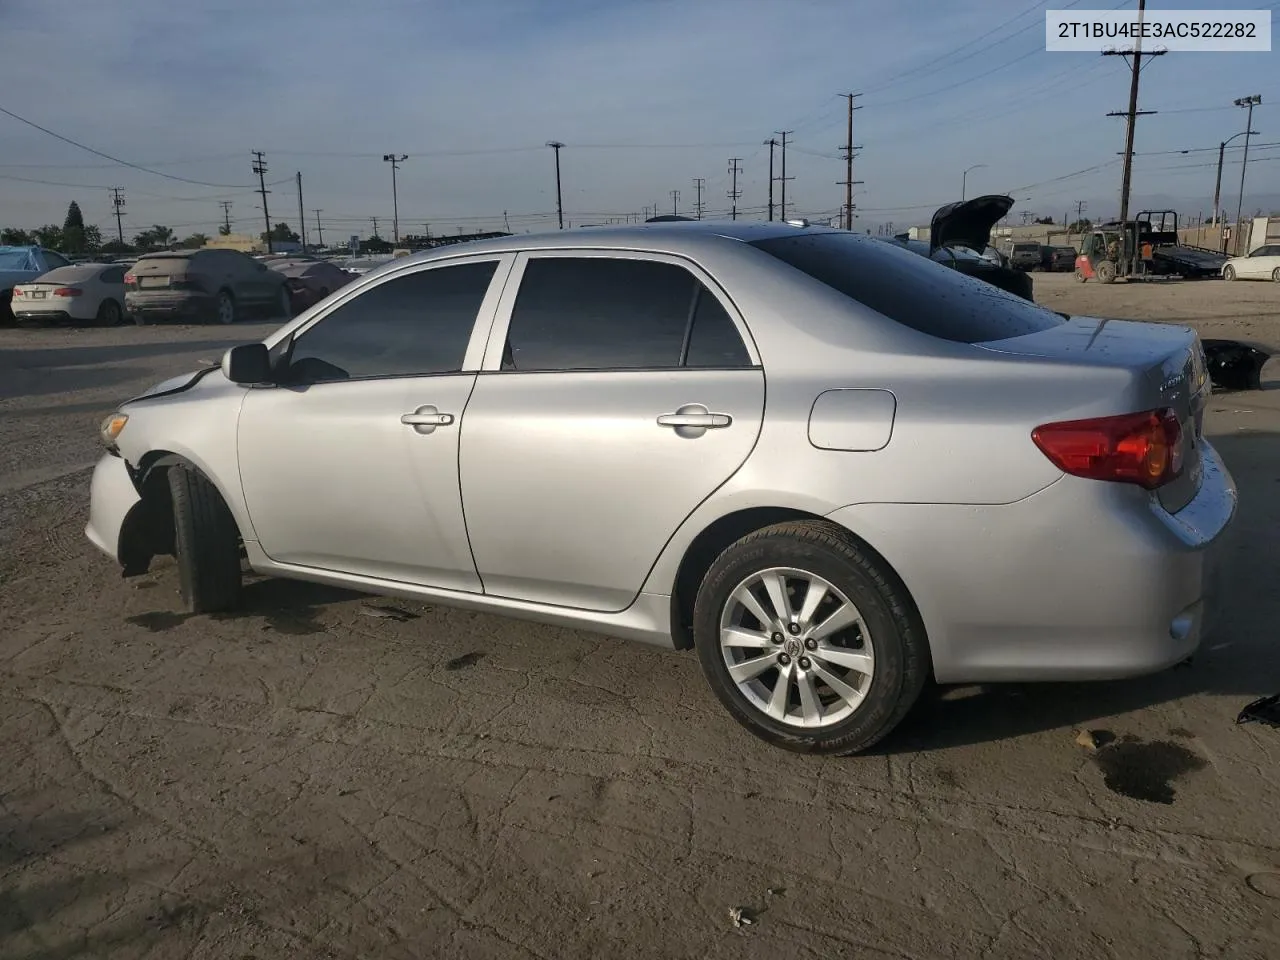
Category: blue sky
<point>646,95</point>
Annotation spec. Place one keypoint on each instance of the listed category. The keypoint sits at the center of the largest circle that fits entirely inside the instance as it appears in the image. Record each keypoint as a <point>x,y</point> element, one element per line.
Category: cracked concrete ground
<point>314,779</point>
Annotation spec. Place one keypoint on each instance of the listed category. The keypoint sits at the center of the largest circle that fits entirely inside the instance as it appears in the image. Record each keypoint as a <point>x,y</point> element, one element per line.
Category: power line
<point>107,156</point>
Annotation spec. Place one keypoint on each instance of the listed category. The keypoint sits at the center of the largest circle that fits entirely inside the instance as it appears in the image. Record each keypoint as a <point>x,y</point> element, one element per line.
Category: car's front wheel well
<point>148,530</point>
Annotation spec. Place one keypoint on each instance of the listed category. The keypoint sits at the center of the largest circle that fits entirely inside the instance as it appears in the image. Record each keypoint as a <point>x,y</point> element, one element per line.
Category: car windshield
<point>17,258</point>
<point>909,289</point>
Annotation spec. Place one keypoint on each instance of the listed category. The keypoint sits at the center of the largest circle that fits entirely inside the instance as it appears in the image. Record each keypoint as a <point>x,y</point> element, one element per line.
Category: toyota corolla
<point>830,466</point>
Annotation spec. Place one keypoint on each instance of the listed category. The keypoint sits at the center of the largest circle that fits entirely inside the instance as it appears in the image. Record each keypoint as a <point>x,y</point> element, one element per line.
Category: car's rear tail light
<point>1143,448</point>
<point>17,292</point>
<point>130,280</point>
<point>68,292</point>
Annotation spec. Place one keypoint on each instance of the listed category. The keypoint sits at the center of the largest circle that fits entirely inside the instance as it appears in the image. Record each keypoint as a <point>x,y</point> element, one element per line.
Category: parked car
<point>960,238</point>
<point>359,266</point>
<point>20,264</point>
<point>85,293</point>
<point>1024,256</point>
<point>946,479</point>
<point>1057,259</point>
<point>1260,264</point>
<point>310,281</point>
<point>202,286</point>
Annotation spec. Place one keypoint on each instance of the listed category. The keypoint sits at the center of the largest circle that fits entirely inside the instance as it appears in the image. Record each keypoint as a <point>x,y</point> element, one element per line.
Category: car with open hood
<point>960,238</point>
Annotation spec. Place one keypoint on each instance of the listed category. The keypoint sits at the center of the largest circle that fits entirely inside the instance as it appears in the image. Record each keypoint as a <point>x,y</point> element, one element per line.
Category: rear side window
<point>601,313</point>
<point>909,289</point>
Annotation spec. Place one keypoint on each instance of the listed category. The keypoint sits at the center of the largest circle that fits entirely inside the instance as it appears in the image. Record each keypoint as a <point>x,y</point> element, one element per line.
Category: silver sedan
<point>832,467</point>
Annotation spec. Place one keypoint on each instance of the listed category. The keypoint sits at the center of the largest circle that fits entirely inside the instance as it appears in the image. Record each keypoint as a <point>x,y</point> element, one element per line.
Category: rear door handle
<point>426,418</point>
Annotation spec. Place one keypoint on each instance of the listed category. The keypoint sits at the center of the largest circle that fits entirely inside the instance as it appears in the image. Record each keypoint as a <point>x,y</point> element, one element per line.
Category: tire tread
<point>206,543</point>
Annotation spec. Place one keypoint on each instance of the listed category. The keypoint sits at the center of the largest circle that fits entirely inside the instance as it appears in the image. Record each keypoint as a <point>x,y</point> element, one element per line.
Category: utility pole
<point>697,204</point>
<point>556,145</point>
<point>734,193</point>
<point>319,229</point>
<point>117,201</point>
<point>1244,164</point>
<point>848,163</point>
<point>1080,205</point>
<point>395,162</point>
<point>772,143</point>
<point>375,225</point>
<point>782,200</point>
<point>260,168</point>
<point>675,203</point>
<point>1132,114</point>
<point>226,215</point>
<point>302,223</point>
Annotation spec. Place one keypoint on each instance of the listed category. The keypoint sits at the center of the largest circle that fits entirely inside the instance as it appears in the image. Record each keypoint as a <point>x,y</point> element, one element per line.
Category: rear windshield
<point>162,265</point>
<point>17,259</point>
<point>72,274</point>
<point>910,289</point>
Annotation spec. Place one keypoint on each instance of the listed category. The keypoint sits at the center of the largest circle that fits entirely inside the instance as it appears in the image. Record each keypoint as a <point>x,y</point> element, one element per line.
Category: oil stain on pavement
<point>1145,771</point>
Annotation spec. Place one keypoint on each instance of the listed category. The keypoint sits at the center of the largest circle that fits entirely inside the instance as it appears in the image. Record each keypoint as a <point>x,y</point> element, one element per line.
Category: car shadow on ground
<point>1242,659</point>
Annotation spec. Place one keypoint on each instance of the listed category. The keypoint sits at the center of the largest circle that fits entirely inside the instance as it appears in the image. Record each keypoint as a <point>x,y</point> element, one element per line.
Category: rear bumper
<point>191,307</point>
<point>44,316</point>
<point>111,496</point>
<point>1081,581</point>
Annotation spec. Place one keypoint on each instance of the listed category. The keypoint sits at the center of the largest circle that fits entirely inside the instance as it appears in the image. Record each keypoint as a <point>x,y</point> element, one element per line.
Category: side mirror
<point>247,364</point>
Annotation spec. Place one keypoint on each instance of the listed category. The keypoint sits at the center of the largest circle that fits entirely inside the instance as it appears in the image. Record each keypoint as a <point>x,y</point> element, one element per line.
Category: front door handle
<point>692,420</point>
<point>426,418</point>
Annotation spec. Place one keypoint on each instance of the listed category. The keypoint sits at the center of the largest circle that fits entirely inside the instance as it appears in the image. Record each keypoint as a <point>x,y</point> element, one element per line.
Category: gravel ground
<point>317,778</point>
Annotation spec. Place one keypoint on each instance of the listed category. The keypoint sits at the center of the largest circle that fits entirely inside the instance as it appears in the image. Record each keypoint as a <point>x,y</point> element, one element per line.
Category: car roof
<point>668,237</point>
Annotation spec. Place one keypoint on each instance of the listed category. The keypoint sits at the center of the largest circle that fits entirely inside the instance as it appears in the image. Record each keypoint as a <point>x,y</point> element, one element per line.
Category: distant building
<point>244,242</point>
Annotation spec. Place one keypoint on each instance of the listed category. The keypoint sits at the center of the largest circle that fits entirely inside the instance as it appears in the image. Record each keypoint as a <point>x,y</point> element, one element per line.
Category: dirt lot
<point>315,779</point>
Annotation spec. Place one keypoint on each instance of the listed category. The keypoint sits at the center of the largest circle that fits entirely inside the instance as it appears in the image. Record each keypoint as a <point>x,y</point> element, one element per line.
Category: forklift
<point>1142,248</point>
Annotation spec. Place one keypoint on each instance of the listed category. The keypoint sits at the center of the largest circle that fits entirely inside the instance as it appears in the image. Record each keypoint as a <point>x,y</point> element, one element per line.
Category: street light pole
<point>556,145</point>
<point>1217,187</point>
<point>965,178</point>
<point>1244,164</point>
<point>395,162</point>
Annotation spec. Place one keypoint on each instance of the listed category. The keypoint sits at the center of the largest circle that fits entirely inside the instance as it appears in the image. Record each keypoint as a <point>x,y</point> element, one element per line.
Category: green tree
<point>156,238</point>
<point>50,235</point>
<point>115,248</point>
<point>280,232</point>
<point>1079,226</point>
<point>194,241</point>
<point>73,240</point>
<point>224,231</point>
<point>92,238</point>
<point>14,237</point>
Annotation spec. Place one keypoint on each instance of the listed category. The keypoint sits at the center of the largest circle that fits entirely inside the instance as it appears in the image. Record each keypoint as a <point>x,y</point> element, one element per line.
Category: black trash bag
<point>1263,710</point>
<point>1234,365</point>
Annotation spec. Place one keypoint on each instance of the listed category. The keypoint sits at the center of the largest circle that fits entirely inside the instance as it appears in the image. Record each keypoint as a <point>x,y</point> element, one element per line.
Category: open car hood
<point>968,223</point>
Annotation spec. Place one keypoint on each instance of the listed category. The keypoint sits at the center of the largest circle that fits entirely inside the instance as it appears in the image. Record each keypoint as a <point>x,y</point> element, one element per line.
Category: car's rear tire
<point>1275,275</point>
<point>843,688</point>
<point>1228,272</point>
<point>206,543</point>
<point>109,314</point>
<point>224,310</point>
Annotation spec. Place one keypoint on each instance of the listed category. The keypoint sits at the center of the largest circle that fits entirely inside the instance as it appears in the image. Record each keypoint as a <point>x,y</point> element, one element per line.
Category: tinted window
<point>55,260</point>
<point>419,323</point>
<point>714,341</point>
<point>597,313</point>
<point>114,275</point>
<point>909,289</point>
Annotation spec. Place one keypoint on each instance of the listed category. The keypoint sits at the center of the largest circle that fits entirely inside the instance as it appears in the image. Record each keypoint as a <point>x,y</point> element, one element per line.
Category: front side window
<point>599,313</point>
<point>415,324</point>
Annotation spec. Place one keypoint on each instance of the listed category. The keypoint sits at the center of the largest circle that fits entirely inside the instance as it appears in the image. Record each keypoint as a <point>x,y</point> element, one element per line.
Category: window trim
<point>479,333</point>
<point>492,360</point>
<point>280,343</point>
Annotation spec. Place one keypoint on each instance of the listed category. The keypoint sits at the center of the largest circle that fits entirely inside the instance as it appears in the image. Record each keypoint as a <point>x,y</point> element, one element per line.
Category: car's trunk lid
<point>1168,367</point>
<point>158,273</point>
<point>967,223</point>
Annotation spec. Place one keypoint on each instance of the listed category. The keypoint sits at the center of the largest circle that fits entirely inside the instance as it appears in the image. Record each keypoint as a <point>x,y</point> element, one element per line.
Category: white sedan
<point>83,292</point>
<point>1261,264</point>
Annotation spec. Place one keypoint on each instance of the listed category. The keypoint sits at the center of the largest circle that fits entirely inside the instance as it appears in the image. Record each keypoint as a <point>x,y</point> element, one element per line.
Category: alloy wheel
<point>796,647</point>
